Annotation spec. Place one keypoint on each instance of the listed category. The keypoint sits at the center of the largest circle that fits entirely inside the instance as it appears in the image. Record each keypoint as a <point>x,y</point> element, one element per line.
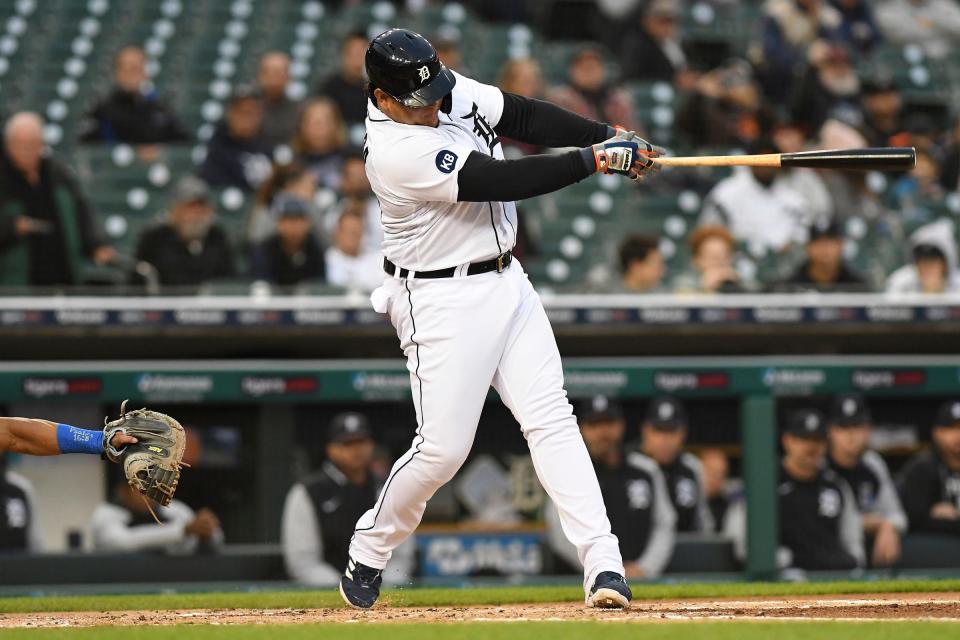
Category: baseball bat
<point>869,159</point>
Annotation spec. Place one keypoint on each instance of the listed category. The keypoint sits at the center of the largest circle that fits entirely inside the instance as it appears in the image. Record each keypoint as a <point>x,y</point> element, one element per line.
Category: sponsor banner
<point>665,315</point>
<point>175,386</point>
<point>381,385</point>
<point>260,386</point>
<point>671,381</point>
<point>309,317</point>
<point>720,315</point>
<point>778,315</point>
<point>868,379</point>
<point>134,317</point>
<point>73,317</point>
<point>793,379</point>
<point>248,317</point>
<point>583,383</point>
<point>23,317</point>
<point>47,387</point>
<point>835,314</point>
<point>483,554</point>
<point>200,317</point>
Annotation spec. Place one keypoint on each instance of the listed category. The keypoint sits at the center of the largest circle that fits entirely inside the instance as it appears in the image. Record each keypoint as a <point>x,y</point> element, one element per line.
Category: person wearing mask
<point>634,490</point>
<point>930,482</point>
<point>348,263</point>
<point>292,255</point>
<point>347,87</point>
<point>127,524</point>
<point>848,434</point>
<point>712,249</point>
<point>47,230</point>
<point>320,512</point>
<point>663,434</point>
<point>320,141</point>
<point>641,265</point>
<point>280,113</point>
<point>820,526</point>
<point>825,269</point>
<point>19,528</point>
<point>235,156</point>
<point>933,265</point>
<point>133,112</point>
<point>589,93</point>
<point>188,248</point>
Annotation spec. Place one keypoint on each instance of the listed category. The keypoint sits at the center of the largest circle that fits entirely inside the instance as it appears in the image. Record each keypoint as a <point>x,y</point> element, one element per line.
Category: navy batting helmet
<point>405,65</point>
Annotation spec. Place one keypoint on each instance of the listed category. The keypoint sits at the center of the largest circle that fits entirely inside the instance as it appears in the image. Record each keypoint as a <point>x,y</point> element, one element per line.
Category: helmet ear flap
<point>447,105</point>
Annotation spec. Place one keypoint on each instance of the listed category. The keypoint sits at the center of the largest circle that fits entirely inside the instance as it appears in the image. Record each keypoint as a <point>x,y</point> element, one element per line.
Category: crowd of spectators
<point>799,85</point>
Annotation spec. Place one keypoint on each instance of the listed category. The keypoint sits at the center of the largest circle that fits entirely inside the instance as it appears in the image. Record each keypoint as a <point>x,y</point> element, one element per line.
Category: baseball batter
<point>466,315</point>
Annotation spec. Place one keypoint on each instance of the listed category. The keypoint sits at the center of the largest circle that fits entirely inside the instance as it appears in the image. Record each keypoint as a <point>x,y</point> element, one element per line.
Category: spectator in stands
<point>634,490</point>
<point>934,262</point>
<point>882,110</point>
<point>768,209</point>
<point>825,269</point>
<point>820,527</point>
<point>950,168</point>
<point>641,265</point>
<point>930,482</point>
<point>589,93</point>
<point>126,524</point>
<point>523,77</point>
<point>827,82</point>
<point>858,28</point>
<point>280,113</point>
<point>292,254</point>
<point>720,491</point>
<point>235,157</point>
<point>355,194</point>
<point>914,191</point>
<point>133,111</point>
<point>848,190</point>
<point>662,437</point>
<point>932,24</point>
<point>284,180</point>
<point>347,87</point>
<point>348,263</point>
<point>47,229</point>
<point>19,527</point>
<point>448,50</point>
<point>712,249</point>
<point>320,141</point>
<point>188,248</point>
<point>652,51</point>
<point>320,513</point>
<point>848,434</point>
<point>789,28</point>
<point>725,107</point>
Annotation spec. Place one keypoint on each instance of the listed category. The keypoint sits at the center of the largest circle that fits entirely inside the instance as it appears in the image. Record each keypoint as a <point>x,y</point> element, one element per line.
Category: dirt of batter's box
<point>911,606</point>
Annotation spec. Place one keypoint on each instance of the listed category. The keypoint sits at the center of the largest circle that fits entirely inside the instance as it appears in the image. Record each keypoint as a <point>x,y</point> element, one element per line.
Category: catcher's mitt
<point>152,465</point>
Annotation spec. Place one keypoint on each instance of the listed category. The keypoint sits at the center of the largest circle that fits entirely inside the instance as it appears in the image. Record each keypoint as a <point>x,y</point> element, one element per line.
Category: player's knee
<point>446,461</point>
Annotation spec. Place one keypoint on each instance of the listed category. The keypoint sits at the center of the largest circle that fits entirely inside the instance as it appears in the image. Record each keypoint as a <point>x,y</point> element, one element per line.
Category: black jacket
<point>177,265</point>
<point>134,118</point>
<point>350,98</point>
<point>271,263</point>
<point>925,481</point>
<point>227,159</point>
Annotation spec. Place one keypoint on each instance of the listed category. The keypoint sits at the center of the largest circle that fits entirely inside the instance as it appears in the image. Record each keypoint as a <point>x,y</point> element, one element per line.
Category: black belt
<point>497,264</point>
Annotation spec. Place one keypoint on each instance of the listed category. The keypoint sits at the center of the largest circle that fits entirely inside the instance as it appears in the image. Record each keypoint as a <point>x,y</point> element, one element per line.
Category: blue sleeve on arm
<point>76,440</point>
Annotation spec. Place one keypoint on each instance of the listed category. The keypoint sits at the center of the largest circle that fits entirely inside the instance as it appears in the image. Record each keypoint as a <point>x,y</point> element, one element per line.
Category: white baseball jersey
<point>413,170</point>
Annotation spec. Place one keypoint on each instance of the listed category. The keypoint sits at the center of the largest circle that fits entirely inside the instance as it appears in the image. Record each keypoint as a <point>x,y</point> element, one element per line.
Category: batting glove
<point>626,154</point>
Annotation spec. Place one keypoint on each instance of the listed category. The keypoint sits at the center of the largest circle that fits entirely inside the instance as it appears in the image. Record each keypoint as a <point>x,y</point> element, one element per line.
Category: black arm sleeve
<point>486,179</point>
<point>546,124</point>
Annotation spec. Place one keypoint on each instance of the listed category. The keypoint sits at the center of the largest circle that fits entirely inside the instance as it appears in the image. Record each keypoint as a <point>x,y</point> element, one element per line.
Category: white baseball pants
<point>461,335</point>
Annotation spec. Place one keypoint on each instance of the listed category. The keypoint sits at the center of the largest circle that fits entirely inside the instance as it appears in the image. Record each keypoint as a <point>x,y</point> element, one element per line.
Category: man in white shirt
<point>349,262</point>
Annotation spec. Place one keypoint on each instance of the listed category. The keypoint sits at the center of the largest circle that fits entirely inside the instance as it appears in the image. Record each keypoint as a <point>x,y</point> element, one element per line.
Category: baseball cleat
<point>610,591</point>
<point>360,585</point>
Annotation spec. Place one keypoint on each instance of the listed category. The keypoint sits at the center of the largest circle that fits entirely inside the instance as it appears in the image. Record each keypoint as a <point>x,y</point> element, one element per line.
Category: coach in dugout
<point>19,531</point>
<point>126,524</point>
<point>930,483</point>
<point>662,437</point>
<point>848,433</point>
<point>634,490</point>
<point>320,512</point>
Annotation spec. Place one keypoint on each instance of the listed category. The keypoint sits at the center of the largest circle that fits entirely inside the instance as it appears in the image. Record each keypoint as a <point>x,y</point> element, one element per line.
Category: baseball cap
<point>666,414</point>
<point>878,83</point>
<point>286,206</point>
<point>599,409</point>
<point>825,229</point>
<point>948,415</point>
<point>806,423</point>
<point>191,189</point>
<point>348,426</point>
<point>849,410</point>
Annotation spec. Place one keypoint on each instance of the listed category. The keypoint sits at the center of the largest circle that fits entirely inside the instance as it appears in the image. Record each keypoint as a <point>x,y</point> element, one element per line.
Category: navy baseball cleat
<point>360,585</point>
<point>610,591</point>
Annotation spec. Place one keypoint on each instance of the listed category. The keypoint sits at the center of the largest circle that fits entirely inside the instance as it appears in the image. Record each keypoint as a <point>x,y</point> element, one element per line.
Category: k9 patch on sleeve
<point>446,161</point>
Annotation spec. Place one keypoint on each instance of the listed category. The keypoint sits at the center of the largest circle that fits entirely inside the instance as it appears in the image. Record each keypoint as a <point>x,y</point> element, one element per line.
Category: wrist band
<point>75,440</point>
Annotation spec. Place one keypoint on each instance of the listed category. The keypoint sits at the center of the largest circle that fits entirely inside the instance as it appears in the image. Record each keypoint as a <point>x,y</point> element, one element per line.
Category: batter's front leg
<point>530,382</point>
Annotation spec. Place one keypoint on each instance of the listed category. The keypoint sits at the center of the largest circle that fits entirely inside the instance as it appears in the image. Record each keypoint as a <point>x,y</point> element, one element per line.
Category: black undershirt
<point>486,179</point>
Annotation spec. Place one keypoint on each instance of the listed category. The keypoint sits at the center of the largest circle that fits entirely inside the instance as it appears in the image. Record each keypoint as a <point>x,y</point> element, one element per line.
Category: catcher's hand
<point>151,464</point>
<point>626,154</point>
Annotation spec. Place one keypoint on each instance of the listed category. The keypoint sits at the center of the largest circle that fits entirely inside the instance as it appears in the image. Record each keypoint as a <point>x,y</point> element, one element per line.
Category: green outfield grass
<point>517,631</point>
<point>456,596</point>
